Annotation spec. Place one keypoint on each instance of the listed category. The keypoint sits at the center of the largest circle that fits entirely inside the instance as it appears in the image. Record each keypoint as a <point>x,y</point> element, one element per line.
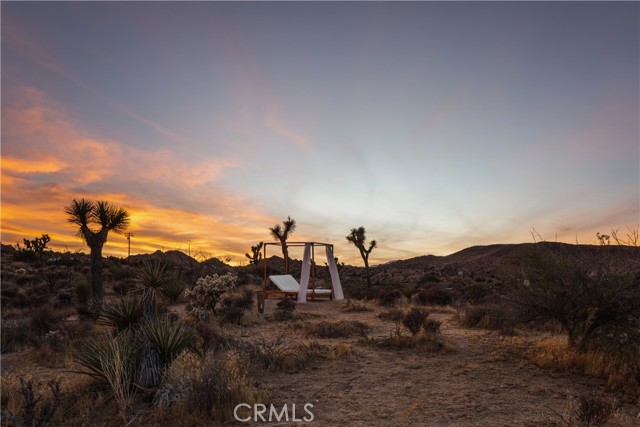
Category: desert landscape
<point>442,345</point>
<point>320,213</point>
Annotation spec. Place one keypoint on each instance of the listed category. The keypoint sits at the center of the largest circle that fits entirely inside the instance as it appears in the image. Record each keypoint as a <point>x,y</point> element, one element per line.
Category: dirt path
<point>476,384</point>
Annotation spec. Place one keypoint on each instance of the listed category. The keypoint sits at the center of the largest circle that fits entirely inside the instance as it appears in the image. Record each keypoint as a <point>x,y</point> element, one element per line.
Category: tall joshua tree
<point>85,214</point>
<point>281,233</point>
<point>359,239</point>
<point>256,253</point>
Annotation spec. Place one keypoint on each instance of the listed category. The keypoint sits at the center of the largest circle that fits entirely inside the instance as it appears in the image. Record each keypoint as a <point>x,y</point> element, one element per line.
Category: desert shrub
<point>64,299</point>
<point>597,304</point>
<point>389,297</point>
<point>394,315</point>
<point>24,254</point>
<point>430,277</point>
<point>33,414</point>
<point>285,310</point>
<point>342,329</point>
<point>496,317</point>
<point>122,314</point>
<point>123,287</point>
<point>210,385</point>
<point>210,337</point>
<point>594,411</point>
<point>15,334</point>
<point>44,319</point>
<point>233,308</point>
<point>475,293</point>
<point>207,293</point>
<point>431,327</point>
<point>135,356</point>
<point>433,296</point>
<point>414,319</point>
<point>351,306</point>
<point>56,278</point>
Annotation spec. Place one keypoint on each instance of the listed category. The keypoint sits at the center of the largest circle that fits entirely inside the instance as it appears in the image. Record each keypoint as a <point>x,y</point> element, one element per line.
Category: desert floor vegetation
<point>440,351</point>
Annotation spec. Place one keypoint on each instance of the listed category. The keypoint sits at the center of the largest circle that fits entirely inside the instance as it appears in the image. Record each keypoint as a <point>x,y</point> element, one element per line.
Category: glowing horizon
<point>212,121</point>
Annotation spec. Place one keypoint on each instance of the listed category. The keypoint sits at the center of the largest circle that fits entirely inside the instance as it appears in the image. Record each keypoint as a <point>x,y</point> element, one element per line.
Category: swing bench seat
<point>289,287</point>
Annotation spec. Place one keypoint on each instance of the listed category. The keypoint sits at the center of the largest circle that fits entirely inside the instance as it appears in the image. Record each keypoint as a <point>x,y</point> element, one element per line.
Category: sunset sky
<point>436,126</point>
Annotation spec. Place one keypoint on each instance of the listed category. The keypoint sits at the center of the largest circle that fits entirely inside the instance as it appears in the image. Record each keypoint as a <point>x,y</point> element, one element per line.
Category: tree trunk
<point>96,278</point>
<point>366,268</point>
<point>285,254</point>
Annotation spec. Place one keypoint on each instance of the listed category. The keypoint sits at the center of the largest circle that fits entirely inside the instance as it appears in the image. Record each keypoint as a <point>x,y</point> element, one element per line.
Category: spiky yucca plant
<point>168,337</point>
<point>173,290</point>
<point>162,340</point>
<point>99,354</point>
<point>122,313</point>
<point>152,276</point>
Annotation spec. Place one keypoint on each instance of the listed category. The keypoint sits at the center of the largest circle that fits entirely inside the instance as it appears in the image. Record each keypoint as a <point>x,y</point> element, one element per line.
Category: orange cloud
<point>47,162</point>
<point>26,166</point>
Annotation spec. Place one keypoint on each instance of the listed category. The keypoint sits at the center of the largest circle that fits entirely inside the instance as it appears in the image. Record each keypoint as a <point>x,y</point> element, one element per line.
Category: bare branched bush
<point>596,302</point>
<point>414,319</point>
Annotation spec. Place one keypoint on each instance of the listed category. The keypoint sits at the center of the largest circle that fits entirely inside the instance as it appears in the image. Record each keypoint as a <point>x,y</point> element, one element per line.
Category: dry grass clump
<point>281,355</point>
<point>31,401</point>
<point>594,410</point>
<point>285,310</point>
<point>555,353</point>
<point>203,388</point>
<point>353,306</point>
<point>394,315</point>
<point>341,329</point>
<point>495,317</point>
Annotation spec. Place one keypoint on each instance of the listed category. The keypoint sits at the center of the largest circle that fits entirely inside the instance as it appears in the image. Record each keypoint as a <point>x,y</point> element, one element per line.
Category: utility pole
<point>129,235</point>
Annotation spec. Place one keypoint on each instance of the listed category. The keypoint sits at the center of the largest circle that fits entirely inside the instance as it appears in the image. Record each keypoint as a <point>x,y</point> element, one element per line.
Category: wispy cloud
<point>21,41</point>
<point>46,162</point>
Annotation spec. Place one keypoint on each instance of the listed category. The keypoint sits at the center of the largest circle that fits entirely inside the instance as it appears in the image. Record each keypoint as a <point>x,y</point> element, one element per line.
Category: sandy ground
<point>478,383</point>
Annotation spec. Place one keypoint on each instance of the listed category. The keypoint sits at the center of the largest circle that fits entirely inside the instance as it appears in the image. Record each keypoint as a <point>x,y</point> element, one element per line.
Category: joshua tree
<point>85,213</point>
<point>359,239</point>
<point>256,253</point>
<point>281,233</point>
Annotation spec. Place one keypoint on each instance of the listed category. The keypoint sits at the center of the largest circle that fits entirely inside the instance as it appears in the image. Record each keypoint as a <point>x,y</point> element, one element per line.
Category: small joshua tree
<point>281,233</point>
<point>359,239</point>
<point>208,292</point>
<point>256,253</point>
